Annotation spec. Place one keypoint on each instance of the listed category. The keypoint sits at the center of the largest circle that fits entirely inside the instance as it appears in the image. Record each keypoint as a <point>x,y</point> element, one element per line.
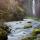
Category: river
<point>18,32</point>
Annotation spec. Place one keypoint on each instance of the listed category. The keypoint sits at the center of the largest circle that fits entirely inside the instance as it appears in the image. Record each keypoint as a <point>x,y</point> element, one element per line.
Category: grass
<point>34,18</point>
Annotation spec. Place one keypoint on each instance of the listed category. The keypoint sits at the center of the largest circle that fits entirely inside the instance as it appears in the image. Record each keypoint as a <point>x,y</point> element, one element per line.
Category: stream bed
<point>18,32</point>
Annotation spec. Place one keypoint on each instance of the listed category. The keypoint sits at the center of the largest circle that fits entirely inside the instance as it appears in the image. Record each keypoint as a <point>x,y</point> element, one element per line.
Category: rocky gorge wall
<point>37,8</point>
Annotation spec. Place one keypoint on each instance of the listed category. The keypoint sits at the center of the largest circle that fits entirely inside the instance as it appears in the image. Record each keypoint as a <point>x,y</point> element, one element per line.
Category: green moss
<point>35,32</point>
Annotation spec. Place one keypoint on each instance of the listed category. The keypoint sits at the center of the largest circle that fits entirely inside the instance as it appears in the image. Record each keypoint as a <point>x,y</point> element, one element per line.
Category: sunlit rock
<point>27,25</point>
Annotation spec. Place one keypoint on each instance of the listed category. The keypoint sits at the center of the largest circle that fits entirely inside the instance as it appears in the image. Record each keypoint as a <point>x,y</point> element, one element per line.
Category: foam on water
<point>18,32</point>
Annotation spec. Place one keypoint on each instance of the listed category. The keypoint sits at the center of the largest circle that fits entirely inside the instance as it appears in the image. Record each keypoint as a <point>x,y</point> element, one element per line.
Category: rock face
<point>37,8</point>
<point>28,6</point>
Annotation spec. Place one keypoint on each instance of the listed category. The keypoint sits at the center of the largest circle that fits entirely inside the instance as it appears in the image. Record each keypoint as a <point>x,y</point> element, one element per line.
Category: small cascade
<point>33,7</point>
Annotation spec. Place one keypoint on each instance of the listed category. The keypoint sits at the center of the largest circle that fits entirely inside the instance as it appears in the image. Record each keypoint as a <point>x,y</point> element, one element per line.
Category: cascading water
<point>18,32</point>
<point>33,7</point>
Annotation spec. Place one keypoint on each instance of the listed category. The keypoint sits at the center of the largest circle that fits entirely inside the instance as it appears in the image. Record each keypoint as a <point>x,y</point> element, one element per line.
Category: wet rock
<point>27,25</point>
<point>20,22</point>
<point>29,22</point>
<point>24,33</point>
<point>38,37</point>
<point>16,23</point>
<point>6,28</point>
<point>37,26</point>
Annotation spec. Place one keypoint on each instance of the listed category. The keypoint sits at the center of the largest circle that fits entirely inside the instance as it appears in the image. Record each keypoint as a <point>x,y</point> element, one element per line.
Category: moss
<point>6,28</point>
<point>3,34</point>
<point>4,31</point>
<point>35,32</point>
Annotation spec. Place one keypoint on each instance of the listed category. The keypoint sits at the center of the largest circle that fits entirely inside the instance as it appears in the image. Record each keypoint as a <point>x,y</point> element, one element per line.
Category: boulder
<point>27,25</point>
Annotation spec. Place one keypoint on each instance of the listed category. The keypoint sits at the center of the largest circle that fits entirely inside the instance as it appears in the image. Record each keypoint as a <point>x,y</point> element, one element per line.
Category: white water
<point>18,32</point>
<point>33,7</point>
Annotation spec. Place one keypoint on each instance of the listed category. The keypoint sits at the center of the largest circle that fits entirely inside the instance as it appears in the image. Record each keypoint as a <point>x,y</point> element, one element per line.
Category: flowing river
<point>18,32</point>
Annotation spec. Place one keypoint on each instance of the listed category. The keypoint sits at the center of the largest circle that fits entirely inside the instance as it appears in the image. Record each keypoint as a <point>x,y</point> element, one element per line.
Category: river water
<point>18,32</point>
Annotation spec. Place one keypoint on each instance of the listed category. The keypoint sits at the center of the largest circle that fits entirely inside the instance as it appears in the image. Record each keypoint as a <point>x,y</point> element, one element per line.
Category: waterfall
<point>33,7</point>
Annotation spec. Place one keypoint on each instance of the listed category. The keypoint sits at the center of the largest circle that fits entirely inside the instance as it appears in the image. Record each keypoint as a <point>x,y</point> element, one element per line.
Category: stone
<point>27,25</point>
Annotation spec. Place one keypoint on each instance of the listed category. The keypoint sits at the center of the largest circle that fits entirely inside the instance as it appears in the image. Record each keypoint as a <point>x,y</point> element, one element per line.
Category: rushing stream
<point>18,32</point>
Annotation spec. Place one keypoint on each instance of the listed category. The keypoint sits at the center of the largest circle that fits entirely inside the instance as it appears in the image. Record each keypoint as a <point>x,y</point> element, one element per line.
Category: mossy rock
<point>6,28</point>
<point>3,34</point>
<point>35,32</point>
<point>27,25</point>
<point>4,31</point>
